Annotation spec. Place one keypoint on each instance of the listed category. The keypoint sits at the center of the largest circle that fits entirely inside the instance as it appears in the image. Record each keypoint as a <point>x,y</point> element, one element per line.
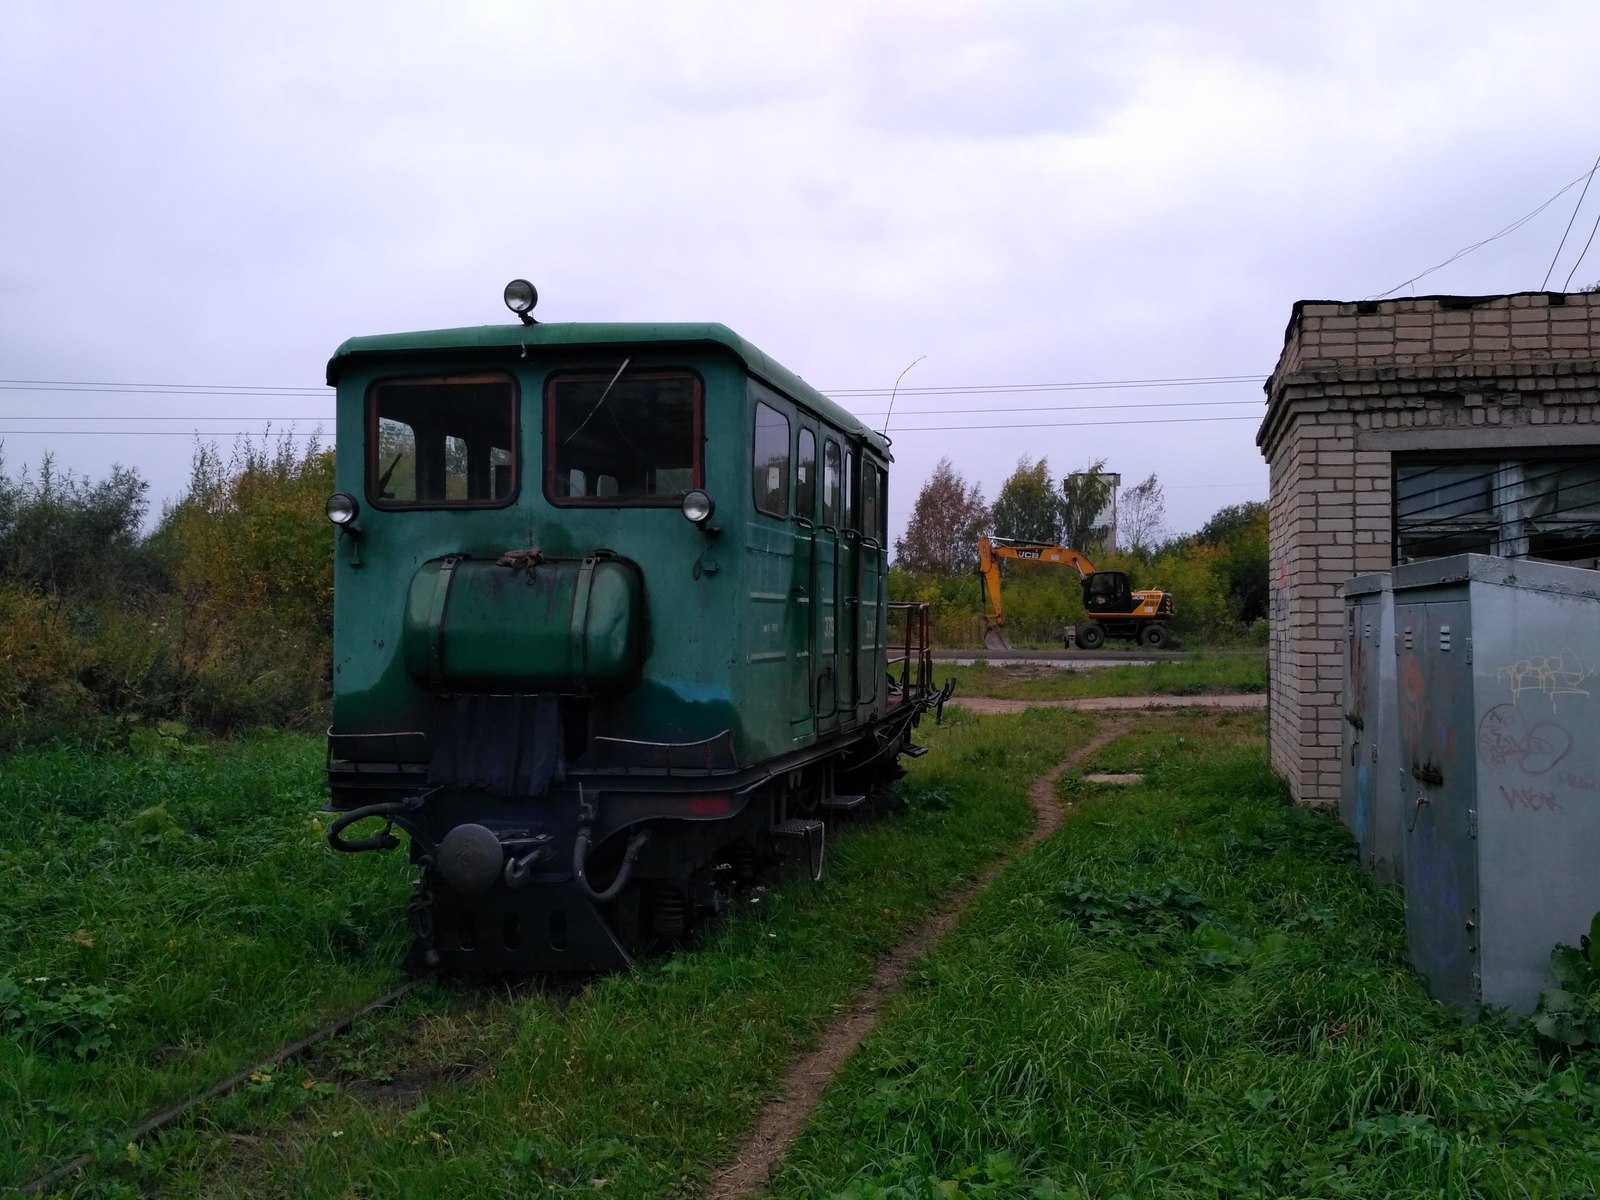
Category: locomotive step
<point>842,802</point>
<point>796,827</point>
<point>914,751</point>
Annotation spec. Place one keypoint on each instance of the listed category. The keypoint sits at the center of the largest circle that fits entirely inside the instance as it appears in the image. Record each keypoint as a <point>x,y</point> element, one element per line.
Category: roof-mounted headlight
<point>342,509</point>
<point>699,507</point>
<point>521,296</point>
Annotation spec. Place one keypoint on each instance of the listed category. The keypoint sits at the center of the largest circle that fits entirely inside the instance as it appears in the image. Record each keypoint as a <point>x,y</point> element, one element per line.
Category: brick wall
<point>1356,383</point>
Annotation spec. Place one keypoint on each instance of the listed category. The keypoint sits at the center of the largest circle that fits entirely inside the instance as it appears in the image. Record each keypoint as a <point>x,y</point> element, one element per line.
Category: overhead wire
<point>858,393</point>
<point>1494,237</point>
<point>1583,255</point>
<point>1141,421</point>
<point>154,389</point>
<point>917,412</point>
<point>113,387</point>
<point>1575,208</point>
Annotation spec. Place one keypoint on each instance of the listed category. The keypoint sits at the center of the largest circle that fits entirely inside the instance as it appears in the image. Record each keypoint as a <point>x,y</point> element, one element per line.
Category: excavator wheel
<point>1091,636</point>
<point>1154,636</point>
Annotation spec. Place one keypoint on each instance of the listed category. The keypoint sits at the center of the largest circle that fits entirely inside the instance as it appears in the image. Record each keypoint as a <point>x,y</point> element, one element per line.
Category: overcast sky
<point>1004,193</point>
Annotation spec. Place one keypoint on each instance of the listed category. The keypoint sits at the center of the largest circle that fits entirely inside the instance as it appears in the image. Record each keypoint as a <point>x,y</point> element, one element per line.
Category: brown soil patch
<point>781,1120</point>
<point>989,706</point>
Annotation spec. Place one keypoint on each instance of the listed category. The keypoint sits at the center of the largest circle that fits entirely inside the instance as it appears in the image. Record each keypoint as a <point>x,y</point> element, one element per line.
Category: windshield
<point>622,437</point>
<point>442,441</point>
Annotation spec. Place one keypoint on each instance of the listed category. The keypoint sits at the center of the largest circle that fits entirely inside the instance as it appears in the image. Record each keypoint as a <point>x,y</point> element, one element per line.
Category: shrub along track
<point>781,1120</point>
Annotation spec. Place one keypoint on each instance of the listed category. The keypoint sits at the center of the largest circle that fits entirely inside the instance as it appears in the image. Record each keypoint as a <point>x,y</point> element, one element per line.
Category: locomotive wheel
<point>669,914</point>
<point>742,862</point>
<point>1154,636</point>
<point>1091,636</point>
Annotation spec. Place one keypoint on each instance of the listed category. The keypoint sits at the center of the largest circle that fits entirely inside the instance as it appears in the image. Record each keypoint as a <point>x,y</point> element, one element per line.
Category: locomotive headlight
<point>698,506</point>
<point>342,509</point>
<point>520,297</point>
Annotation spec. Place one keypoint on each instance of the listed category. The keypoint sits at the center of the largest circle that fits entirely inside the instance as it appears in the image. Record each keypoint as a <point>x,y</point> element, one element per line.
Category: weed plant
<point>167,915</point>
<point>1191,990</point>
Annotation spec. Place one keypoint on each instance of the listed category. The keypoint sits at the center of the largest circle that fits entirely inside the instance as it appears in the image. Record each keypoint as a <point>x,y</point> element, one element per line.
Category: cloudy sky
<point>1008,194</point>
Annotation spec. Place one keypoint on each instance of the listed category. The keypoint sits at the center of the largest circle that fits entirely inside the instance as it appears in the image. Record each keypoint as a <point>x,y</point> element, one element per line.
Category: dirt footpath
<point>1232,700</point>
<point>781,1120</point>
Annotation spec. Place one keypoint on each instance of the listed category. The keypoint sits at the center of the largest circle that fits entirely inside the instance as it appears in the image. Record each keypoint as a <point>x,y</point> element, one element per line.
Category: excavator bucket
<point>994,638</point>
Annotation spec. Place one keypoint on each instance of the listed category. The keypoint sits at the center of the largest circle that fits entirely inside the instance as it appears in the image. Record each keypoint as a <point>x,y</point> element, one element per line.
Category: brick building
<point>1405,429</point>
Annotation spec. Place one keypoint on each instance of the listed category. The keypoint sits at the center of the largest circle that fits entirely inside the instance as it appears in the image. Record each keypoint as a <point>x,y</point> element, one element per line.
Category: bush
<point>221,618</point>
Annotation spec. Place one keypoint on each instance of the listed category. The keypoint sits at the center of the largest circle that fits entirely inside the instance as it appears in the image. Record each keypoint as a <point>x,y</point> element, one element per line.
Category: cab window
<point>622,439</point>
<point>832,512</point>
<point>805,475</point>
<point>851,516</point>
<point>769,461</point>
<point>442,441</point>
<point>870,494</point>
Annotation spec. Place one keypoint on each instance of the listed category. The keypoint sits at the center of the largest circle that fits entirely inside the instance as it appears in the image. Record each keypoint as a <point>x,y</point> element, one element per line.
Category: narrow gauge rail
<point>610,609</point>
<point>216,1091</point>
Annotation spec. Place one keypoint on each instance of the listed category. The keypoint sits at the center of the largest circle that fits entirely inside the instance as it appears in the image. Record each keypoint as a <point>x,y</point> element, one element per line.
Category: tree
<point>1237,536</point>
<point>942,536</point>
<point>69,535</point>
<point>1028,508</point>
<point>1084,497</point>
<point>1225,522</point>
<point>250,541</point>
<point>1247,563</point>
<point>1142,516</point>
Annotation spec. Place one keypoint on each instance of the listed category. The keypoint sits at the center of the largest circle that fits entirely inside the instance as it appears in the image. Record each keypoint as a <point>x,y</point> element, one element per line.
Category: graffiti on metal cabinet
<point>1578,783</point>
<point>1561,674</point>
<point>1506,742</point>
<point>1530,799</point>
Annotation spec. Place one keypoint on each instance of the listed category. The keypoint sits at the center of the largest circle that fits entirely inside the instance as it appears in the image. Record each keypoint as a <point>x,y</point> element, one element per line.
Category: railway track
<point>559,989</point>
<point>285,1053</point>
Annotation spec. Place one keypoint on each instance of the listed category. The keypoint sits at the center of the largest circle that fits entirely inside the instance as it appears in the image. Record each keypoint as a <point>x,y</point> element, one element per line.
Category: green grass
<point>1241,671</point>
<point>164,917</point>
<point>1191,991</point>
<point>1188,991</point>
<point>644,1080</point>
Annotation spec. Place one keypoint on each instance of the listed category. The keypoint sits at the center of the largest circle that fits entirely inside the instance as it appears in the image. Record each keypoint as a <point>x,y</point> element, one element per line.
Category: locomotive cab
<point>610,628</point>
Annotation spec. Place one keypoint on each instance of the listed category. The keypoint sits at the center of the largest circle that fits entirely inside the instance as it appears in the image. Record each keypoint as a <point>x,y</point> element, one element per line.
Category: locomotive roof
<point>490,340</point>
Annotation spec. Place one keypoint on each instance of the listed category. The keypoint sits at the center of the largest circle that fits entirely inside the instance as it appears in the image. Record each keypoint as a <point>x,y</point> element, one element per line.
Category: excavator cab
<point>1107,592</point>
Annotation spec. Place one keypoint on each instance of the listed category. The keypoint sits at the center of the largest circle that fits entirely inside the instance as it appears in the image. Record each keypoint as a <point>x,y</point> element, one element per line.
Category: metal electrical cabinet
<point>1499,729</point>
<point>1369,763</point>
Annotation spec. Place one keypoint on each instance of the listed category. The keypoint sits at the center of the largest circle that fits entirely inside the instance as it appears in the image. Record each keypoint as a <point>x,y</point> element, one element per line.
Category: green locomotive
<point>611,632</point>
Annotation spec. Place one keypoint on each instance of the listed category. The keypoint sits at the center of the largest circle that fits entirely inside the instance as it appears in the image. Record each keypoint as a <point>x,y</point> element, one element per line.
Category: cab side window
<point>852,515</point>
<point>832,509</point>
<point>805,476</point>
<point>871,493</point>
<point>769,461</point>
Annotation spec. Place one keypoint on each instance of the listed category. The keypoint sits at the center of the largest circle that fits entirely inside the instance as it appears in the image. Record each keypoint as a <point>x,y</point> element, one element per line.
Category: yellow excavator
<point>1114,609</point>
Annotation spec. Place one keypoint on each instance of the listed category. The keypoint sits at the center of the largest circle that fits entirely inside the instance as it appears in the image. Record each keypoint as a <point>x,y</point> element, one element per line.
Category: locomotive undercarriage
<point>603,865</point>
